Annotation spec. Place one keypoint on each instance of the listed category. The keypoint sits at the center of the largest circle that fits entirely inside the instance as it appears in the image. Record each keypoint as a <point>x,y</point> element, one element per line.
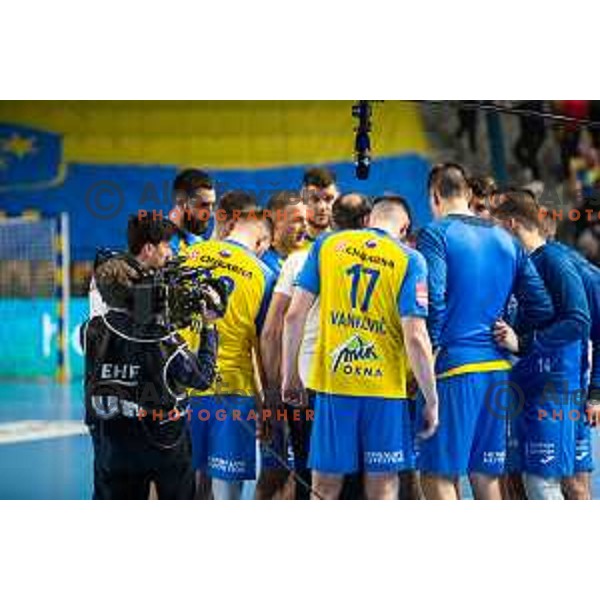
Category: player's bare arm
<point>271,338</point>
<point>295,321</point>
<point>420,356</point>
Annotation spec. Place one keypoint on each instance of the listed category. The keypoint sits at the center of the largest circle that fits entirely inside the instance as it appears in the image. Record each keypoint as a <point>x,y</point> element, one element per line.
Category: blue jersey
<point>273,260</point>
<point>558,348</point>
<point>590,276</point>
<point>474,267</point>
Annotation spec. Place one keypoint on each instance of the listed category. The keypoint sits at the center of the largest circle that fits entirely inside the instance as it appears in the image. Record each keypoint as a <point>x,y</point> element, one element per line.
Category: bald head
<point>350,211</point>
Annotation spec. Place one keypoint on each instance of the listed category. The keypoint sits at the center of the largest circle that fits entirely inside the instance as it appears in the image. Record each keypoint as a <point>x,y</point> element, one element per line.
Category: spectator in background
<point>531,137</point>
<point>467,124</point>
<point>595,116</point>
<point>569,134</point>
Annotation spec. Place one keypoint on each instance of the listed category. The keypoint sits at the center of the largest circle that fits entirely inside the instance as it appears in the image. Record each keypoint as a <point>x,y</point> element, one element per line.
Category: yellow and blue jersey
<point>475,267</point>
<point>182,240</point>
<point>366,282</point>
<point>251,284</point>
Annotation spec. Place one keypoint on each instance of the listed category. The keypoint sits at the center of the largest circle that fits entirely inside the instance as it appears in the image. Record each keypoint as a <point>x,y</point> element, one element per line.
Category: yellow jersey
<point>366,282</point>
<point>250,283</point>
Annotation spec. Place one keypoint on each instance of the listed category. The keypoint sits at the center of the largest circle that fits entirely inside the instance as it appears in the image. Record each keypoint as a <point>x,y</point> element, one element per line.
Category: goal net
<point>34,297</point>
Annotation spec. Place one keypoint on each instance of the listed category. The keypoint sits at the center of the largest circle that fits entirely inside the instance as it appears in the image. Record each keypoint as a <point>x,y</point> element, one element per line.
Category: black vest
<point>124,376</point>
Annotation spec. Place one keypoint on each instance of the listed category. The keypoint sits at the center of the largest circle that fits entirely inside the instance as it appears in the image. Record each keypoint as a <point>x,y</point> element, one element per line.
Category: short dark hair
<point>350,210</point>
<point>280,200</point>
<point>448,179</point>
<point>192,180</point>
<point>236,200</point>
<point>320,177</point>
<point>482,187</point>
<point>398,200</point>
<point>521,205</point>
<point>145,229</point>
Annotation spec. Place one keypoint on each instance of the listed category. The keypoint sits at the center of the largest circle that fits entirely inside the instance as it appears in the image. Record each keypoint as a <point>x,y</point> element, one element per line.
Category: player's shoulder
<point>295,260</point>
<point>248,259</point>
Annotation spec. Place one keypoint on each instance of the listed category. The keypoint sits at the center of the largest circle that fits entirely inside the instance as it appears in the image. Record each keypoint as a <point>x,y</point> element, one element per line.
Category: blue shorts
<point>513,446</point>
<point>352,434</point>
<point>223,439</point>
<point>471,437</point>
<point>584,460</point>
<point>547,441</point>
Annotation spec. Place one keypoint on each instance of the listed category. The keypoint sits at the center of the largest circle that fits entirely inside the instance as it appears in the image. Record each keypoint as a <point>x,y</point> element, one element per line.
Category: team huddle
<point>370,362</point>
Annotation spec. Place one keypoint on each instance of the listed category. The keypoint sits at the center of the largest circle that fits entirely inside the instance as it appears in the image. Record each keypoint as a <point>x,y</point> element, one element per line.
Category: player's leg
<point>409,485</point>
<point>300,434</point>
<point>199,433</point>
<point>542,488</point>
<point>274,471</point>
<point>232,445</point>
<point>579,486</point>
<point>387,441</point>
<point>444,457</point>
<point>203,486</point>
<point>227,490</point>
<point>326,486</point>
<point>381,486</point>
<point>487,463</point>
<point>549,448</point>
<point>334,443</point>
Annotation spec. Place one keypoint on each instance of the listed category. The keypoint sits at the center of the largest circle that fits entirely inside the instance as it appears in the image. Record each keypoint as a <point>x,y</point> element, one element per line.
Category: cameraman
<point>136,374</point>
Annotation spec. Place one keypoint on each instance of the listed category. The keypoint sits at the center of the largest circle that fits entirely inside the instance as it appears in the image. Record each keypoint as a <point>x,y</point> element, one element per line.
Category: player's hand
<point>593,413</point>
<point>505,336</point>
<point>293,392</point>
<point>430,420</point>
<point>265,426</point>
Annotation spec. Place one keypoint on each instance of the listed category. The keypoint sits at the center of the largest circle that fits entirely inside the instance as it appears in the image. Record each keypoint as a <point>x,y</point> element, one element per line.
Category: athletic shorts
<point>471,437</point>
<point>547,442</point>
<point>223,436</point>
<point>352,434</point>
<point>584,460</point>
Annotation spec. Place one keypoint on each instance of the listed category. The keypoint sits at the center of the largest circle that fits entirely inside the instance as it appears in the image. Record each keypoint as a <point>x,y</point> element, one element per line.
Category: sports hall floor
<point>45,452</point>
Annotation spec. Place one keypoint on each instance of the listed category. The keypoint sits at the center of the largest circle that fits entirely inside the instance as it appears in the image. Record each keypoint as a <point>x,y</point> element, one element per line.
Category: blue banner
<point>28,157</point>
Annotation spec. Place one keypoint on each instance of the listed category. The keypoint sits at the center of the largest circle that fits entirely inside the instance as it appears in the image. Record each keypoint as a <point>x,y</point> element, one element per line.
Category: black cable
<point>520,112</point>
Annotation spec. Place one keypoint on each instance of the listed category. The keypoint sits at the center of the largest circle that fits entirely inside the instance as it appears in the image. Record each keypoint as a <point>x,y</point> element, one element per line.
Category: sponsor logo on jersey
<point>225,253</point>
<point>352,351</point>
<point>375,259</point>
<point>371,243</point>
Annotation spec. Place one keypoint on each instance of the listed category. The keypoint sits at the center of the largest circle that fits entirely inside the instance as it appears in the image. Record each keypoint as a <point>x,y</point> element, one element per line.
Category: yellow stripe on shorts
<point>478,367</point>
